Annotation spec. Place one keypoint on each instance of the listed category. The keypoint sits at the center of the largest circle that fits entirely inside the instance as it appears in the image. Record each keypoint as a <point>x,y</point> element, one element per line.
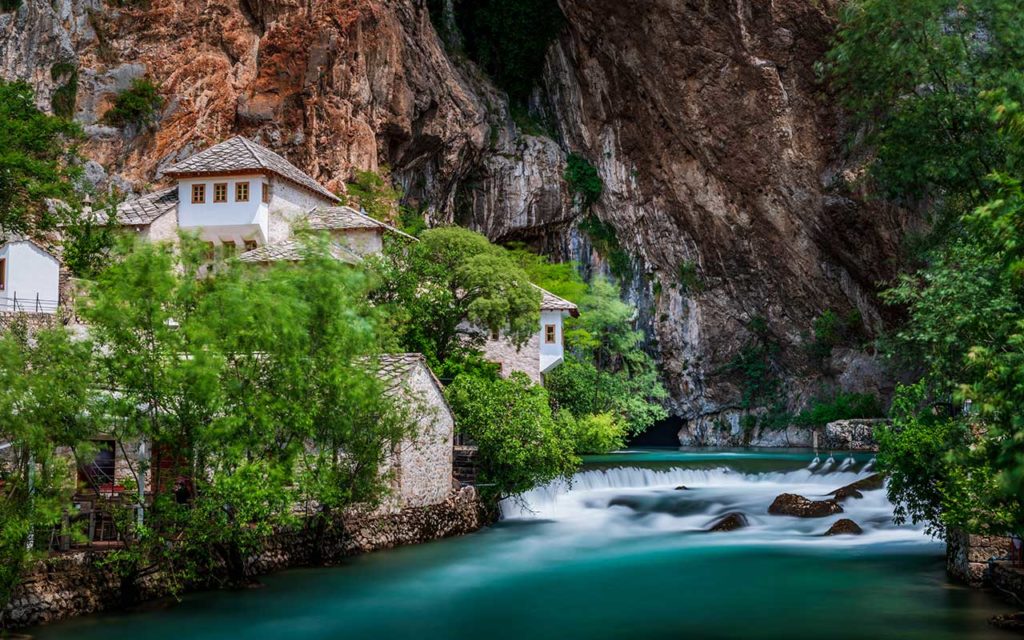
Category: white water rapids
<point>637,501</point>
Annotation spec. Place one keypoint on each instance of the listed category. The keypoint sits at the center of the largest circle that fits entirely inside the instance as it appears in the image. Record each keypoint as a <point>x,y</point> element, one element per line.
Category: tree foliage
<point>937,87</point>
<point>45,406</point>
<point>606,369</point>
<point>520,444</point>
<point>38,163</point>
<point>451,290</point>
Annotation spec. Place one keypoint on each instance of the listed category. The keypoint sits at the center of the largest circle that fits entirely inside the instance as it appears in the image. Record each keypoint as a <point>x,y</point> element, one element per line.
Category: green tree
<point>452,289</point>
<point>520,444</point>
<point>606,368</point>
<point>560,278</point>
<point>45,406</point>
<point>38,164</point>
<point>914,75</point>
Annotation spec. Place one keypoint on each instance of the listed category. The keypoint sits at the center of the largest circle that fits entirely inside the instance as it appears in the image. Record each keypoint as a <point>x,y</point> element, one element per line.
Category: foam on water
<point>634,501</point>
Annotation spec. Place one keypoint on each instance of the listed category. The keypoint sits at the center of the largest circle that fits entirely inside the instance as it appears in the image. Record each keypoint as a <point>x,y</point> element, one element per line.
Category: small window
<point>229,248</point>
<point>220,192</point>
<point>3,274</point>
<point>550,334</point>
<point>241,192</point>
<point>266,192</point>
<point>250,245</point>
<point>198,193</point>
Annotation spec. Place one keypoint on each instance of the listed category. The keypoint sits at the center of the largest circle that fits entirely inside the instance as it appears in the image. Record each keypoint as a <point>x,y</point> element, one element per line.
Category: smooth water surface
<point>617,553</point>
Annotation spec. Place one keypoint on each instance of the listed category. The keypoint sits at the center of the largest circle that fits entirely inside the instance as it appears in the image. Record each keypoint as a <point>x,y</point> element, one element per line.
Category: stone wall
<point>1008,581</point>
<point>75,583</point>
<point>852,435</point>
<point>525,359</point>
<point>31,321</point>
<point>967,555</point>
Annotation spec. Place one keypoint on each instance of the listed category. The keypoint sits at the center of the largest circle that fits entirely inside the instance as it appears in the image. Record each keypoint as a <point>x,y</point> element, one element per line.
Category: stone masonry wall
<point>967,555</point>
<point>75,584</point>
<point>852,435</point>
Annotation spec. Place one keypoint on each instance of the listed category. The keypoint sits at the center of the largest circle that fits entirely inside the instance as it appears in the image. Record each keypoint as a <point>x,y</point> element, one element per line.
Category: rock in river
<point>790,504</point>
<point>853,490</point>
<point>728,522</point>
<point>844,527</point>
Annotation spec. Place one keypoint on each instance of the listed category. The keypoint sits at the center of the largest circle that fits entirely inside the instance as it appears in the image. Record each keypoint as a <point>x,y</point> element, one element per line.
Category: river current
<point>620,551</point>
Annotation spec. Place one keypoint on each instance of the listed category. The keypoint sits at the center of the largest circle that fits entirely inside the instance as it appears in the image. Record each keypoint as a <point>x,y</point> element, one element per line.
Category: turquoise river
<point>616,553</point>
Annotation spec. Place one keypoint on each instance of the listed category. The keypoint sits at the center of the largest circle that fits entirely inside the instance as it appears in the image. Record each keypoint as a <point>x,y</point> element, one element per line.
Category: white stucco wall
<point>30,273</point>
<point>289,204</point>
<point>551,355</point>
<point>221,221</point>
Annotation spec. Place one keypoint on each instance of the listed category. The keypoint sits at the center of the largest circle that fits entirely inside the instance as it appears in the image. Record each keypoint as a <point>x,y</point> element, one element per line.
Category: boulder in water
<point>682,487</point>
<point>1009,622</point>
<point>790,504</point>
<point>853,490</point>
<point>844,527</point>
<point>728,522</point>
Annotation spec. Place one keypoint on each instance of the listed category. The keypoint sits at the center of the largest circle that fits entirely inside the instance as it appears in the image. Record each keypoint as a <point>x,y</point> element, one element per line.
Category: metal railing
<point>27,304</point>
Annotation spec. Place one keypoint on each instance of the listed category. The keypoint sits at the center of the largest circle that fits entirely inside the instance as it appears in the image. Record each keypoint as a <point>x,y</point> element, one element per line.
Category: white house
<point>29,277</point>
<point>243,198</point>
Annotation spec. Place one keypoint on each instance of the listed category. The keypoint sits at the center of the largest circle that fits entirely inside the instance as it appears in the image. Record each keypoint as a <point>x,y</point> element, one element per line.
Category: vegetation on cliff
<point>937,89</point>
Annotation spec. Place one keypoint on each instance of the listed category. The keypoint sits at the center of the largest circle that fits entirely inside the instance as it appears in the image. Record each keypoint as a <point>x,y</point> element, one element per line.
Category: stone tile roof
<point>238,155</point>
<point>551,302</point>
<point>292,250</point>
<point>145,209</point>
<point>394,368</point>
<point>340,218</point>
<point>344,218</point>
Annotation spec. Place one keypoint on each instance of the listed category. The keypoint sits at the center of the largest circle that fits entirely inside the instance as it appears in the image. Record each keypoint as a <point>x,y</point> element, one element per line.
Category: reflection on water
<point>618,552</point>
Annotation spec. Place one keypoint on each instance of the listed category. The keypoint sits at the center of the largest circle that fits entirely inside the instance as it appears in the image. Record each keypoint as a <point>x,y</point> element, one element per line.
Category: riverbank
<point>78,583</point>
<point>620,552</point>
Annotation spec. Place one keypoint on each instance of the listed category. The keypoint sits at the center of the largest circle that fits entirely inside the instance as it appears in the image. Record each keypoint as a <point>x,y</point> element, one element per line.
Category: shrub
<point>136,105</point>
<point>520,444</point>
<point>832,330</point>
<point>596,433</point>
<point>841,406</point>
<point>583,180</point>
<point>602,237</point>
<point>63,99</point>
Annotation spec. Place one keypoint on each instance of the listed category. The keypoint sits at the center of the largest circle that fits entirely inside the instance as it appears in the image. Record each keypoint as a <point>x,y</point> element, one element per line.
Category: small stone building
<point>422,464</point>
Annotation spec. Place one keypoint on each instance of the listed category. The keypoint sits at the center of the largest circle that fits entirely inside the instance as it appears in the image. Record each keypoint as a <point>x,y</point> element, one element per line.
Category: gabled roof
<point>343,218</point>
<point>551,302</point>
<point>145,209</point>
<point>17,238</point>
<point>240,155</point>
<point>393,368</point>
<point>293,250</point>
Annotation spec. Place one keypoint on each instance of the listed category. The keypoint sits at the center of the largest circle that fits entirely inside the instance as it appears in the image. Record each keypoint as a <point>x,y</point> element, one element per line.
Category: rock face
<point>844,527</point>
<point>716,145</point>
<point>852,435</point>
<point>728,522</point>
<point>790,504</point>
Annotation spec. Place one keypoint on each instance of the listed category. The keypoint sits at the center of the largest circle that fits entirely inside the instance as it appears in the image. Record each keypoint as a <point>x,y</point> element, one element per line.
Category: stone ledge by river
<point>75,584</point>
<point>726,431</point>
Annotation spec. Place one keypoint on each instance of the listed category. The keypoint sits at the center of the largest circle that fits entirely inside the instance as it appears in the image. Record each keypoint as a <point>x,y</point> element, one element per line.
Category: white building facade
<point>29,278</point>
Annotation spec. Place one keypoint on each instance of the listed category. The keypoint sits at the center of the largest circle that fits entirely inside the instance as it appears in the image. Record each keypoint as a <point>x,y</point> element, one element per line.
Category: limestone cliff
<point>718,149</point>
